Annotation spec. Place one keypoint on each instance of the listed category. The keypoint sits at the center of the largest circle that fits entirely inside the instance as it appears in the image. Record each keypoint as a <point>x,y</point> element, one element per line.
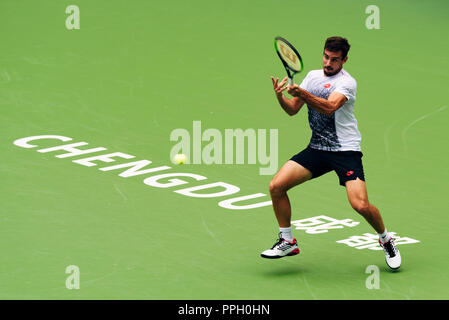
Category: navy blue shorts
<point>347,164</point>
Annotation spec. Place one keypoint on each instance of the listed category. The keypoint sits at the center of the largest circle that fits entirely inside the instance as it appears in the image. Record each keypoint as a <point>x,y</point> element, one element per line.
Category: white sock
<point>384,237</point>
<point>286,233</point>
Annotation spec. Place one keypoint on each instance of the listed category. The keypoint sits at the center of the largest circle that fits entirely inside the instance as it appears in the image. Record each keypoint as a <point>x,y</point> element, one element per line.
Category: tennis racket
<point>289,56</point>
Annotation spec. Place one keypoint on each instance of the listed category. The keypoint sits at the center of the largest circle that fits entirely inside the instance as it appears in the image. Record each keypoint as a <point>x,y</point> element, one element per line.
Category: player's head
<point>335,55</point>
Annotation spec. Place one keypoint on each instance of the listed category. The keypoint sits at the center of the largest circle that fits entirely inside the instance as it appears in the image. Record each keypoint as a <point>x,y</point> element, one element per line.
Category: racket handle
<point>290,81</point>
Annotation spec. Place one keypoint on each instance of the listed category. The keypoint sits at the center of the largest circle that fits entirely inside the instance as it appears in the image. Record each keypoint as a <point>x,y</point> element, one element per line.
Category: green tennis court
<point>135,72</point>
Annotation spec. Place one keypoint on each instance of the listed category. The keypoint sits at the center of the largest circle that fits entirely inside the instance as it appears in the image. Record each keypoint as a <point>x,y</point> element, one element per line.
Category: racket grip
<point>290,81</point>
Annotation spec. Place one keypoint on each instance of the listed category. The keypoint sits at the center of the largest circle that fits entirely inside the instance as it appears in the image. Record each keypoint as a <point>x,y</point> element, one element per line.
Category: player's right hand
<point>279,87</point>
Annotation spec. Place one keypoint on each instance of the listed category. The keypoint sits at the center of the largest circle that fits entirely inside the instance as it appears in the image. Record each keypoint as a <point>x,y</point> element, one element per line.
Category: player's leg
<point>358,198</point>
<point>349,168</point>
<point>291,174</point>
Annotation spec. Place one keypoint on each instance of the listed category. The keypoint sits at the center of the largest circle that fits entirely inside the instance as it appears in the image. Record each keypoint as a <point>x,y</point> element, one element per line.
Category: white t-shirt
<point>339,131</point>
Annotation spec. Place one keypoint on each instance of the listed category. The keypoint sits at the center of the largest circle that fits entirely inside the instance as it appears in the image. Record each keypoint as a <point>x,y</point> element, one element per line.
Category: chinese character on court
<point>322,224</point>
<point>371,241</point>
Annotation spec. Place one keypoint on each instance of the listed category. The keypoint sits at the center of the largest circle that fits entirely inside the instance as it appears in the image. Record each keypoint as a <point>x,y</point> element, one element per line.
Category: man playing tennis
<point>335,146</point>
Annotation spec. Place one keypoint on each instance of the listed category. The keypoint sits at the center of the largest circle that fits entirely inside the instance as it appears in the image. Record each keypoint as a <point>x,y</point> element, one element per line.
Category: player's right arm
<point>290,106</point>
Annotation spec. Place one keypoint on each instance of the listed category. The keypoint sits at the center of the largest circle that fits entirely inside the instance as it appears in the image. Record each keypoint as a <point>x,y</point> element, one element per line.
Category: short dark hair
<point>336,44</point>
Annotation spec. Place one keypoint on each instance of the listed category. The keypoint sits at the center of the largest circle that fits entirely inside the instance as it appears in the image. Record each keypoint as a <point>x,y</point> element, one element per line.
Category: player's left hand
<point>294,90</point>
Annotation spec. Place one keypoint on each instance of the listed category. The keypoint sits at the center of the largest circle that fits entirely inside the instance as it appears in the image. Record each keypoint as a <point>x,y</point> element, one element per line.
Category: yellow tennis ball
<point>180,158</point>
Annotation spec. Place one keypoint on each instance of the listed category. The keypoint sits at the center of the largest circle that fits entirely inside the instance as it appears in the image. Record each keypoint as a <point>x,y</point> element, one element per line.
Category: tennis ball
<point>180,158</point>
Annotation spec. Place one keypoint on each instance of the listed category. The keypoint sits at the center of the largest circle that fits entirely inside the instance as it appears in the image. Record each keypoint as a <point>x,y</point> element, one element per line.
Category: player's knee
<point>276,188</point>
<point>361,206</point>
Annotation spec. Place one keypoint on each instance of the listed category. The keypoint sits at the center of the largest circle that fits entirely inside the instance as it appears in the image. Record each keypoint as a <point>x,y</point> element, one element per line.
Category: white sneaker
<point>392,255</point>
<point>281,248</point>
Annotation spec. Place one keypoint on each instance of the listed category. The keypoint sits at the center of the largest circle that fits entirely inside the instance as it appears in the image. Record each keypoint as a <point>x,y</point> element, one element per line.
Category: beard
<point>330,72</point>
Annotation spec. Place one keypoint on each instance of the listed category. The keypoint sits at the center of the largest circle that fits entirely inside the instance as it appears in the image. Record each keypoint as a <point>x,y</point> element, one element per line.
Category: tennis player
<point>330,94</point>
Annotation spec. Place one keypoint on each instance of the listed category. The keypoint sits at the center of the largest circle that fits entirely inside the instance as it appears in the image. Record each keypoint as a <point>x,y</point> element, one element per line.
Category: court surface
<point>136,71</point>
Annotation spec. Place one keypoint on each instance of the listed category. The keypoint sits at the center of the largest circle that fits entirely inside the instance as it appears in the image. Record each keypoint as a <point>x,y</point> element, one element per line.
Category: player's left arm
<point>325,106</point>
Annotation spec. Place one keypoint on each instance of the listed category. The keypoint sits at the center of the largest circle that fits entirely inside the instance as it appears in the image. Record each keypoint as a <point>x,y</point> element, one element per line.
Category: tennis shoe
<point>392,255</point>
<point>281,248</point>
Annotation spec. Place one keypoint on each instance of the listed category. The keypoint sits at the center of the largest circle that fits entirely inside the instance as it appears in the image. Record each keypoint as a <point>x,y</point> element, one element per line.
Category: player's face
<point>332,62</point>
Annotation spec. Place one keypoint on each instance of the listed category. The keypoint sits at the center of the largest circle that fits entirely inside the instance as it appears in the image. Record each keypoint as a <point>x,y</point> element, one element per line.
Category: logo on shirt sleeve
<point>327,85</point>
